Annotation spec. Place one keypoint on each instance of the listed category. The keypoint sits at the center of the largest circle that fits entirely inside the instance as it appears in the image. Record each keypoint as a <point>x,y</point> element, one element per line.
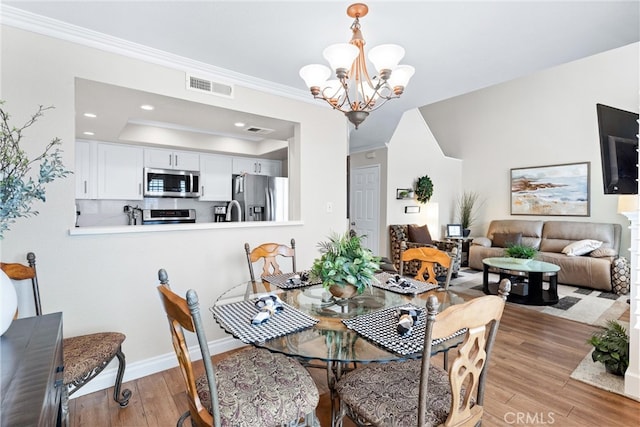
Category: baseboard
<point>142,368</point>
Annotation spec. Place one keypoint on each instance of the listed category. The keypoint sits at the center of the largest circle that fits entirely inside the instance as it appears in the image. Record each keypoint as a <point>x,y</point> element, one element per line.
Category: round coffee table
<point>526,280</point>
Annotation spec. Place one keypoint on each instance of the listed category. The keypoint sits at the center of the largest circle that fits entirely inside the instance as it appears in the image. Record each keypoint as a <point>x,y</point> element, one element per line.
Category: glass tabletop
<point>329,339</point>
<point>531,266</point>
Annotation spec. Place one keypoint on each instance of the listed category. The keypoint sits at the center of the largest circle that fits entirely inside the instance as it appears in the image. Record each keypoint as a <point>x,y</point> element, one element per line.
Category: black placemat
<point>415,286</point>
<point>236,319</point>
<point>381,328</point>
<point>280,280</point>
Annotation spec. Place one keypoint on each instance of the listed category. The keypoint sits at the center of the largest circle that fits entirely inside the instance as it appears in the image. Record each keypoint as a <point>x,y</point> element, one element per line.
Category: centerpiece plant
<point>345,267</point>
<point>520,252</point>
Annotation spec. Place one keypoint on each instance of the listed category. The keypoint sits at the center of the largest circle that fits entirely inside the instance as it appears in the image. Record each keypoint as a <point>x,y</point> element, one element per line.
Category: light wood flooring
<point>528,384</point>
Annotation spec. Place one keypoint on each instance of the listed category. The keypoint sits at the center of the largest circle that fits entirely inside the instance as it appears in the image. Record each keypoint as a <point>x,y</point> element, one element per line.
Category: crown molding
<point>32,22</point>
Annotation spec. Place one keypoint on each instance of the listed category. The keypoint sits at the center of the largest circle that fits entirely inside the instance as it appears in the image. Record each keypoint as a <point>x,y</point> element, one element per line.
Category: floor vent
<point>261,131</point>
<point>209,86</point>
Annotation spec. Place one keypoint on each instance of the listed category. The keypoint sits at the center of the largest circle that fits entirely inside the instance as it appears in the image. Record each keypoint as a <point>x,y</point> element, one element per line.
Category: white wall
<point>107,282</point>
<point>414,152</point>
<point>543,119</point>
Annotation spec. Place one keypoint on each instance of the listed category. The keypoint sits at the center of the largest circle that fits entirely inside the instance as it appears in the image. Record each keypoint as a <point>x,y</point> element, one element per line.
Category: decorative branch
<point>18,190</point>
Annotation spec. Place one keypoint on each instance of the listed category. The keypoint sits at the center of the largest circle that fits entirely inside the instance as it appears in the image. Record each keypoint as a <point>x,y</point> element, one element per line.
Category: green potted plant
<point>345,267</point>
<point>611,347</point>
<point>424,189</point>
<point>467,210</point>
<point>520,253</point>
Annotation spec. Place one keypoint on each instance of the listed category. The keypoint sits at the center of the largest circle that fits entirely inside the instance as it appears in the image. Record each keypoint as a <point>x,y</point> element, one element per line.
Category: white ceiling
<point>455,46</point>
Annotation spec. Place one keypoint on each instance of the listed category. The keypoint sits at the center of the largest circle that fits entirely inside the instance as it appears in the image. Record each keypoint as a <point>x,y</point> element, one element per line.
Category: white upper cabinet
<point>85,170</point>
<point>215,177</point>
<point>171,159</point>
<point>120,171</point>
<point>257,166</point>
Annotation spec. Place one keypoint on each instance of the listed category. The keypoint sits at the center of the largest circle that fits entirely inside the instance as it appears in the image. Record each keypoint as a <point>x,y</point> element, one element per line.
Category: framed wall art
<point>551,190</point>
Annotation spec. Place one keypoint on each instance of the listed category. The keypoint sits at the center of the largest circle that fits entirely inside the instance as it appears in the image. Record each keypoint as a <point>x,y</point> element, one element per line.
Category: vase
<point>343,291</point>
<point>466,232</point>
<point>8,302</point>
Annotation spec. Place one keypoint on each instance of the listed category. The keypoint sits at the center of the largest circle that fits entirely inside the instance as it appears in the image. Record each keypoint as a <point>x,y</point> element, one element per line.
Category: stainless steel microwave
<point>171,183</point>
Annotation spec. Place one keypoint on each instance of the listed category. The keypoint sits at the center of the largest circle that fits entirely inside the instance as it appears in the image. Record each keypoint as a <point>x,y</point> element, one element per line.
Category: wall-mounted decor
<point>424,189</point>
<point>404,193</point>
<point>551,190</point>
<point>412,209</point>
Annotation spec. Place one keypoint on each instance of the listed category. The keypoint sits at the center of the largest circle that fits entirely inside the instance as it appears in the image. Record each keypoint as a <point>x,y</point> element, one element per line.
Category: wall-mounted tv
<point>618,131</point>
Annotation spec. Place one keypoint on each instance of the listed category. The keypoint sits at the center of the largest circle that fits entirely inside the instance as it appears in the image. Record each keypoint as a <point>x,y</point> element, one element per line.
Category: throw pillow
<point>504,240</point>
<point>603,252</point>
<point>419,234</point>
<point>481,241</point>
<point>581,247</point>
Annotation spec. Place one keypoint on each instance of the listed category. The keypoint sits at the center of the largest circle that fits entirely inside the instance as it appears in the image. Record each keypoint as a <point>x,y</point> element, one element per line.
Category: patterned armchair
<point>400,233</point>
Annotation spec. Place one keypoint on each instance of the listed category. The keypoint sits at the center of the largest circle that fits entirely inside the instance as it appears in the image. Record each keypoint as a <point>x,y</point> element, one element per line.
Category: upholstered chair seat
<point>392,388</point>
<point>86,356</point>
<point>279,389</point>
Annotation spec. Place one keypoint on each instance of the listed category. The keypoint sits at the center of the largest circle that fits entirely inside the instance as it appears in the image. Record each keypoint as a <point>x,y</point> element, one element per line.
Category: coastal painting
<point>551,190</point>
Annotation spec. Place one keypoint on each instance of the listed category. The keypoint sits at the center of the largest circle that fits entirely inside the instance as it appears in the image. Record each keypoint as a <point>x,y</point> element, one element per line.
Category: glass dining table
<point>329,340</point>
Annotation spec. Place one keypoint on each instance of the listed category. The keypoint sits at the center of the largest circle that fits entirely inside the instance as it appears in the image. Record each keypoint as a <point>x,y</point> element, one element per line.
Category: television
<point>618,131</point>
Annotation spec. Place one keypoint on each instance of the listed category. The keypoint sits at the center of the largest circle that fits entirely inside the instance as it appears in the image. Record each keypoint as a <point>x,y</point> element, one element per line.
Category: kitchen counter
<point>128,229</point>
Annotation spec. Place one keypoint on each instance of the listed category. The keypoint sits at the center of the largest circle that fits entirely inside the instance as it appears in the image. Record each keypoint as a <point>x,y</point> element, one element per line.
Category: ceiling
<point>455,46</point>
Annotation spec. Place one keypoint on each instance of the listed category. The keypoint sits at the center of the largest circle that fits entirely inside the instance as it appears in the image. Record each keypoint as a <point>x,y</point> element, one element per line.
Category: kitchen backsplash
<point>99,213</point>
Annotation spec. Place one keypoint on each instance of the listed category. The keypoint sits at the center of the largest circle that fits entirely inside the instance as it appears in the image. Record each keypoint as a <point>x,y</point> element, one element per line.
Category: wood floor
<point>528,384</point>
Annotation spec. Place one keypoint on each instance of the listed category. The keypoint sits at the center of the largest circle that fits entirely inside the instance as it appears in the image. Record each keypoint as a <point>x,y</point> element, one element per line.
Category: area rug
<point>594,373</point>
<point>577,304</point>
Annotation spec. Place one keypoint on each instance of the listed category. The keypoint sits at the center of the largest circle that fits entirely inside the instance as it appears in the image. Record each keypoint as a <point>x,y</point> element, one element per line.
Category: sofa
<point>416,236</point>
<point>587,252</point>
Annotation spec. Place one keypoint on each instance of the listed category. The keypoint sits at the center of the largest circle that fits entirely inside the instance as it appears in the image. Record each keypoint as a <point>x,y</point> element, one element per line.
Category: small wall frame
<point>412,209</point>
<point>404,193</point>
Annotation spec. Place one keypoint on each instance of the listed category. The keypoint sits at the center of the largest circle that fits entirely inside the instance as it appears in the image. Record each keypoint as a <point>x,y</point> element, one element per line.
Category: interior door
<point>365,204</point>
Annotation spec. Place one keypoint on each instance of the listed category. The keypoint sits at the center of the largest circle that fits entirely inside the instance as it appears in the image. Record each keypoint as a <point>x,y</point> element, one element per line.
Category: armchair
<point>399,233</point>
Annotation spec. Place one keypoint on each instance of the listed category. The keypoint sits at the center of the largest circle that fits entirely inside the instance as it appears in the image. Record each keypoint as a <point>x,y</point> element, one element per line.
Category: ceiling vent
<point>260,131</point>
<point>200,84</point>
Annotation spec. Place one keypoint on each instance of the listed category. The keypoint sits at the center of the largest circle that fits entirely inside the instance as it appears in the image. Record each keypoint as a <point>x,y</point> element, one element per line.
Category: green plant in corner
<point>18,189</point>
<point>611,347</point>
<point>345,261</point>
<point>466,208</point>
<point>424,189</point>
<point>520,251</point>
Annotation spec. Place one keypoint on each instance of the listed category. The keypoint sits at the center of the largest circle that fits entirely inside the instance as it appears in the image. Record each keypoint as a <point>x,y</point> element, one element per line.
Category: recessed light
<point>147,107</point>
<point>88,133</point>
<point>90,115</point>
<point>239,124</point>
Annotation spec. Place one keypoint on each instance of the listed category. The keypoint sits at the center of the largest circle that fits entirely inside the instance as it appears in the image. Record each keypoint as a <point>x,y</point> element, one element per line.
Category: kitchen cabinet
<point>257,166</point>
<point>119,172</point>
<point>171,159</point>
<point>215,177</point>
<point>85,169</point>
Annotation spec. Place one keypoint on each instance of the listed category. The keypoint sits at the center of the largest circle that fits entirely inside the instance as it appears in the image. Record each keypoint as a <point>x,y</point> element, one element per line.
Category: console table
<point>32,372</point>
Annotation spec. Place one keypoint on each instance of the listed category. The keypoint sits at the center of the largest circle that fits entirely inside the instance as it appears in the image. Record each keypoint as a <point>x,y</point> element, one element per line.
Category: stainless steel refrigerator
<point>262,198</point>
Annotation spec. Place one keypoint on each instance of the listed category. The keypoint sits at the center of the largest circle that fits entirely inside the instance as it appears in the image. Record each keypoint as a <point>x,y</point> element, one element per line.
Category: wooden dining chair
<point>85,356</point>
<point>251,387</point>
<point>429,258</point>
<point>269,252</point>
<point>389,394</point>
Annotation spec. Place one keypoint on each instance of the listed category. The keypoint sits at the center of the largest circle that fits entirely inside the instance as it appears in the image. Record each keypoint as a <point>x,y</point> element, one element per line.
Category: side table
<point>464,256</point>
<point>32,371</point>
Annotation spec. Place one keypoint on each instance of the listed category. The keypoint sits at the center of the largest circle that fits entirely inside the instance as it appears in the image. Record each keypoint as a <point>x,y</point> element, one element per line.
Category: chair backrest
<point>428,257</point>
<point>468,371</point>
<point>17,271</point>
<point>184,314</point>
<point>268,252</point>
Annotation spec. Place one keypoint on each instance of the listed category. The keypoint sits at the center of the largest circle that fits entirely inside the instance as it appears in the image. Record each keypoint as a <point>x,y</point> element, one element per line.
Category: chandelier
<point>355,93</point>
